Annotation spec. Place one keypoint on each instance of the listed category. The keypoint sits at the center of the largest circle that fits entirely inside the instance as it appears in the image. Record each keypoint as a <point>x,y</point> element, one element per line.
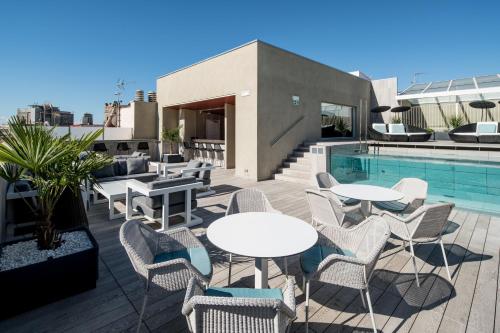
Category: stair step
<point>305,181</point>
<point>299,160</point>
<point>301,153</point>
<point>295,172</point>
<point>296,166</point>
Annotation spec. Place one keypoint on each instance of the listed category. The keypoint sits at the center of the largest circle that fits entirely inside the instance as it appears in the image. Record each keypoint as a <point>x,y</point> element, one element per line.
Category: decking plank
<point>482,314</point>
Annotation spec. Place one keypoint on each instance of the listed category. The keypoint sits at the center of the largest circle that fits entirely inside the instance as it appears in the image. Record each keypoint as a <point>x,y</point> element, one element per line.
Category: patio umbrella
<point>380,109</point>
<point>400,109</point>
<point>483,105</point>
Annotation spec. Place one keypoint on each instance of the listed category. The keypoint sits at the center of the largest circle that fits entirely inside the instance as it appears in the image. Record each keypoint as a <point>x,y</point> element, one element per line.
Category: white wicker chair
<point>415,193</point>
<point>345,257</point>
<point>220,310</point>
<point>424,225</point>
<point>245,201</point>
<point>325,181</point>
<point>327,209</point>
<point>163,260</point>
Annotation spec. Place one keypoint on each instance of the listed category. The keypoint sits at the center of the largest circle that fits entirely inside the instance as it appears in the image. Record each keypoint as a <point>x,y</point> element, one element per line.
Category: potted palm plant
<point>55,263</point>
<point>172,137</point>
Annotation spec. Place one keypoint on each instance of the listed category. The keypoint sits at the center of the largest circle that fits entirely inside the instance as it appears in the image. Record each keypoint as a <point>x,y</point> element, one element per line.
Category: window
<point>336,120</point>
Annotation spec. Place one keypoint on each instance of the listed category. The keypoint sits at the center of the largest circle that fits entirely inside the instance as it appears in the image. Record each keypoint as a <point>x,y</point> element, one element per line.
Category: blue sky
<point>72,52</point>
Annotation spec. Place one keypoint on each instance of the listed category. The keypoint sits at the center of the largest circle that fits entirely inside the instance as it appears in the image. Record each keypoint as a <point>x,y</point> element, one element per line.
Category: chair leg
<point>306,284</point>
<point>444,258</point>
<point>369,301</point>
<point>286,267</point>
<point>362,298</point>
<point>229,273</point>
<point>143,308</point>
<point>414,263</point>
<point>404,246</point>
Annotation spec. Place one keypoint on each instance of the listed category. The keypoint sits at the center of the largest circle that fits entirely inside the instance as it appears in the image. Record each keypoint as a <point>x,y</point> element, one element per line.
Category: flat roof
<point>252,42</point>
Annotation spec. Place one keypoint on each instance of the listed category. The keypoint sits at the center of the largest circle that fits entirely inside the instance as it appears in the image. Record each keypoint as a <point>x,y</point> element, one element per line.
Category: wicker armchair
<point>424,225</point>
<point>326,209</point>
<point>415,193</point>
<point>220,310</point>
<point>245,201</point>
<point>345,257</point>
<point>164,261</point>
<point>325,181</point>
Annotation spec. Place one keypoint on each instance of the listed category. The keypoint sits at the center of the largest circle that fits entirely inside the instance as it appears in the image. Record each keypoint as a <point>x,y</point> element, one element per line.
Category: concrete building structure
<point>139,115</point>
<point>269,101</point>
<point>45,114</point>
<point>87,119</point>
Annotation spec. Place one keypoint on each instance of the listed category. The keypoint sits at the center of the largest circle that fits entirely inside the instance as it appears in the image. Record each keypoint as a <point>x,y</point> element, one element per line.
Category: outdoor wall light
<point>296,100</point>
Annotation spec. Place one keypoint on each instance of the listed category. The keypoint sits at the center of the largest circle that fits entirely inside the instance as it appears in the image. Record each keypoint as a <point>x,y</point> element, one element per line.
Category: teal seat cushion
<point>392,206</point>
<point>310,260</point>
<point>197,256</point>
<point>245,293</point>
<point>486,128</point>
<point>349,201</point>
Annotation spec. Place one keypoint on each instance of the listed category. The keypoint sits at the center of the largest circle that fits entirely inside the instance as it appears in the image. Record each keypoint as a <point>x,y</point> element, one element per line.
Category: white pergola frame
<point>448,93</point>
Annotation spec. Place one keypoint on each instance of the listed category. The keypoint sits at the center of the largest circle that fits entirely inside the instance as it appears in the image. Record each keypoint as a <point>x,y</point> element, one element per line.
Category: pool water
<point>472,185</point>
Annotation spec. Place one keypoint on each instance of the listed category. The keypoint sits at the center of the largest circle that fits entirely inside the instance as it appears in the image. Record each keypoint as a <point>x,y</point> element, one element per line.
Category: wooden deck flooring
<point>470,302</point>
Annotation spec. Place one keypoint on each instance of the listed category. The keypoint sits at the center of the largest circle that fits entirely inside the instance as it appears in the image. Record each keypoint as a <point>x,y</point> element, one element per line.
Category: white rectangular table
<point>111,191</point>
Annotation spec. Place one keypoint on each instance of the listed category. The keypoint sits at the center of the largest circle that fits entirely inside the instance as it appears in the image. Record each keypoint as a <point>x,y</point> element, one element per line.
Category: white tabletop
<point>117,187</point>
<point>366,192</point>
<point>262,235</point>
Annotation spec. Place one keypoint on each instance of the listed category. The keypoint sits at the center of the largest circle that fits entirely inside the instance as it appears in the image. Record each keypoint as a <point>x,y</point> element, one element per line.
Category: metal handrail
<point>278,138</point>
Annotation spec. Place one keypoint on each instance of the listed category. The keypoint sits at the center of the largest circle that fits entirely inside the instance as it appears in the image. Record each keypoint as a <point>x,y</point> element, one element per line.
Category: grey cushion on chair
<point>152,206</point>
<point>191,165</point>
<point>136,165</point>
<point>204,175</point>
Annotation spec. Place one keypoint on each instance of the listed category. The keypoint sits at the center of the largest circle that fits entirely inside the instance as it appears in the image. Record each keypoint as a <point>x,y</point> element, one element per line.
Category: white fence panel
<point>117,133</point>
<point>60,131</point>
<point>78,132</point>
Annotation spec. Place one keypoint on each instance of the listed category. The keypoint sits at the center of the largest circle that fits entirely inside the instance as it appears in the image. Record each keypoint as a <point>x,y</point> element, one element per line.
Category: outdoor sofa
<point>398,133</point>
<point>481,132</point>
<point>126,168</point>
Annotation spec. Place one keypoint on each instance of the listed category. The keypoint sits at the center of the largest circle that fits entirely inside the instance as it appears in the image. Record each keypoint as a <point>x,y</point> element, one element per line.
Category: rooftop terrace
<point>470,302</point>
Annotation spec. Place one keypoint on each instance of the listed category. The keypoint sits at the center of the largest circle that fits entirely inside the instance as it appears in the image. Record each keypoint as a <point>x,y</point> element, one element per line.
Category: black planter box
<point>172,158</point>
<point>31,286</point>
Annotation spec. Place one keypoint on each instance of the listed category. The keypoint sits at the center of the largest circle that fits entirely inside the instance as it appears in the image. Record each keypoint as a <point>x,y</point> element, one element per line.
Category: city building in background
<point>87,119</point>
<point>45,114</point>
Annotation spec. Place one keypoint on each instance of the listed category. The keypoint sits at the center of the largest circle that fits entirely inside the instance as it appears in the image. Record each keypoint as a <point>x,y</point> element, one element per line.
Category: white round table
<point>262,236</point>
<point>366,193</point>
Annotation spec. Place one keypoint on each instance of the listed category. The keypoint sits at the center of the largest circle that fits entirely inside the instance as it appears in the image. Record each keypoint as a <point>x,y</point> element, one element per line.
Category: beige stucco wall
<point>283,74</point>
<point>224,75</point>
<point>269,76</point>
<point>384,92</point>
<point>142,117</point>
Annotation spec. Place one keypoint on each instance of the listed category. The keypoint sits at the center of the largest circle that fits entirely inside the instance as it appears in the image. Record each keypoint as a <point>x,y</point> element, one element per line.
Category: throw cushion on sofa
<point>136,165</point>
<point>107,171</point>
<point>120,166</point>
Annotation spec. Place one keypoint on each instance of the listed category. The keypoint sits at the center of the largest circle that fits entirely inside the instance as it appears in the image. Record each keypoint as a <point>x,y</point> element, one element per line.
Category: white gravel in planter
<point>25,253</point>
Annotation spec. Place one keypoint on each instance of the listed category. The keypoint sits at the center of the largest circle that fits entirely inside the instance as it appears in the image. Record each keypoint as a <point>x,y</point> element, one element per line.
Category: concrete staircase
<point>297,167</point>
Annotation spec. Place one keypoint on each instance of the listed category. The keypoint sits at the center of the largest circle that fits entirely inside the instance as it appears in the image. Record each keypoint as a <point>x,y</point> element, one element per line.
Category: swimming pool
<point>472,185</point>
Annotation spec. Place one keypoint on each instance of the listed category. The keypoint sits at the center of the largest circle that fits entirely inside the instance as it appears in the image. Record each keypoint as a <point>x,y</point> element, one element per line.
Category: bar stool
<point>210,152</point>
<point>188,149</point>
<point>200,148</point>
<point>219,152</point>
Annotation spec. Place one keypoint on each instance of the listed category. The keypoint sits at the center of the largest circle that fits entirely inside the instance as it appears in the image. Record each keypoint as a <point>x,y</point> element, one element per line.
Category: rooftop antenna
<point>120,89</point>
<point>415,77</point>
